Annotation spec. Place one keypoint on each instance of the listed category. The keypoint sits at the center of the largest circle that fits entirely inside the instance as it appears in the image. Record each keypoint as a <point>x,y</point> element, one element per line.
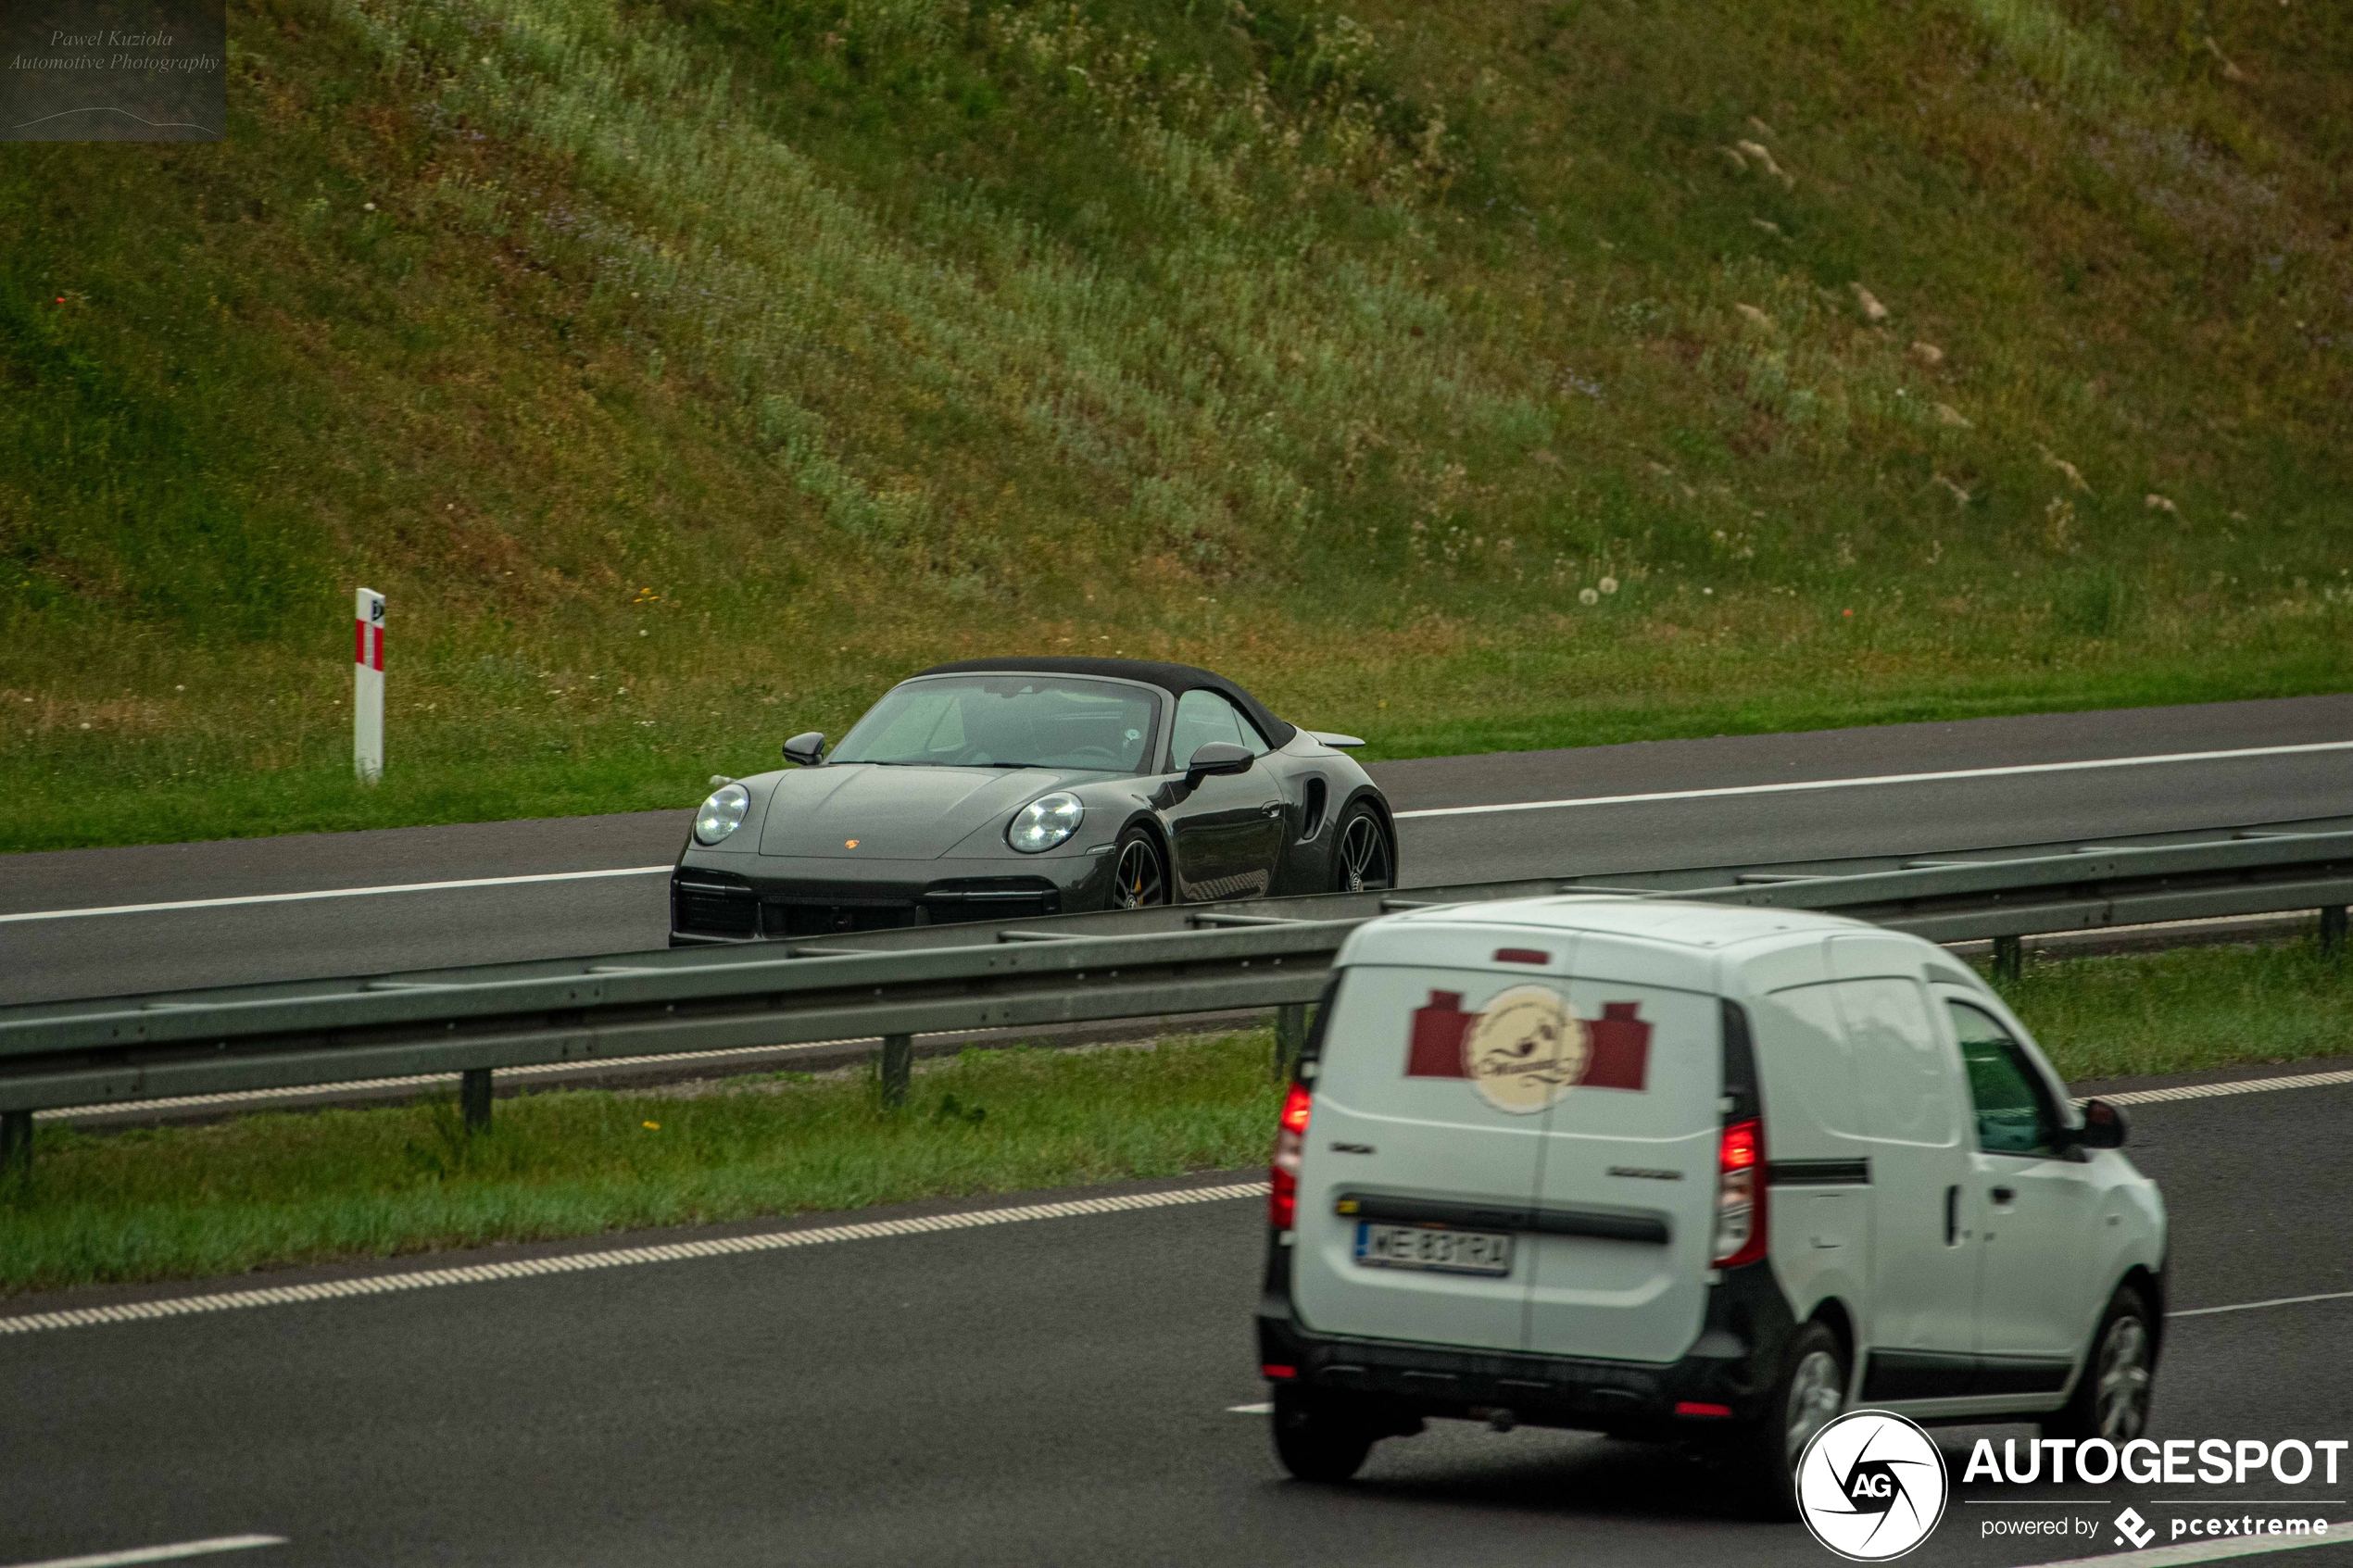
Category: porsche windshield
<point>1006,721</point>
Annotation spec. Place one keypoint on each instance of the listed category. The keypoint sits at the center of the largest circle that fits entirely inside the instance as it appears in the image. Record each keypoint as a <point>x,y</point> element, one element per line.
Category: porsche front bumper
<point>733,897</point>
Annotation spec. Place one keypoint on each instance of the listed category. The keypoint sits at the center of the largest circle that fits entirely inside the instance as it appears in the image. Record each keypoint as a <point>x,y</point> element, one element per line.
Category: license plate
<point>1433,1249</point>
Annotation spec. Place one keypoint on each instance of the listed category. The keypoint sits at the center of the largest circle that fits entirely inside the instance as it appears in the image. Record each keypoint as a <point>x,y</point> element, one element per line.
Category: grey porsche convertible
<point>1018,788</point>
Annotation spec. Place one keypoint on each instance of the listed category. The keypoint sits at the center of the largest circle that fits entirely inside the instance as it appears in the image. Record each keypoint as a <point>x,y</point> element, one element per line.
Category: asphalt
<point>42,960</point>
<point>1049,1392</point>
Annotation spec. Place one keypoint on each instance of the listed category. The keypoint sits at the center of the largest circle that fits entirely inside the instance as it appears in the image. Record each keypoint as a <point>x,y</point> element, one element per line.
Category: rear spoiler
<point>1328,737</point>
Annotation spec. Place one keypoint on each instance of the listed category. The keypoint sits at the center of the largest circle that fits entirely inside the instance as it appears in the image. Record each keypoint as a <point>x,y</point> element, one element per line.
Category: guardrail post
<point>16,1144</point>
<point>894,1067</point>
<point>473,1098</point>
<point>2009,957</point>
<point>1290,1039</point>
<point>2333,929</point>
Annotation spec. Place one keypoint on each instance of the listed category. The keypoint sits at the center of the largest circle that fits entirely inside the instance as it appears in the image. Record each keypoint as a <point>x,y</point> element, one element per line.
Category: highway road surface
<point>595,885</point>
<point>1055,1390</point>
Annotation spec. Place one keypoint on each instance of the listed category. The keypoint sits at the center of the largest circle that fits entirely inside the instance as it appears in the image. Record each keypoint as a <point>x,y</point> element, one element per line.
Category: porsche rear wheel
<point>1363,861</point>
<point>1139,875</point>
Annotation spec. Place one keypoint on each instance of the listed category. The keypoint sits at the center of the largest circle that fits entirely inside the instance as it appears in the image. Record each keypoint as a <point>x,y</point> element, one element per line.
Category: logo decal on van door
<point>1528,1049</point>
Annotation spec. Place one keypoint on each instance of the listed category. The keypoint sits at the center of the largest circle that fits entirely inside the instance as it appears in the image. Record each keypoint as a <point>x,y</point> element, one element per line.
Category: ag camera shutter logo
<point>1871,1487</point>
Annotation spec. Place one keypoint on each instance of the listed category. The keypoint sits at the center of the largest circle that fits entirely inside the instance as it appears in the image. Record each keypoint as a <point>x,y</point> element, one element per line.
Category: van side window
<point>2014,1110</point>
<point>1900,1067</point>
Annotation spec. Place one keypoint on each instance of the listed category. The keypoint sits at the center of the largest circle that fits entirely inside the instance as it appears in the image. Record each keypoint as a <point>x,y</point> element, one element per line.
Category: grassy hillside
<point>1493,374</point>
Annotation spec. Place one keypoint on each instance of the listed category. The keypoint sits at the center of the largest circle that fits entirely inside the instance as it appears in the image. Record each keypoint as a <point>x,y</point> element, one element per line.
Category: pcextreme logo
<point>1870,1485</point>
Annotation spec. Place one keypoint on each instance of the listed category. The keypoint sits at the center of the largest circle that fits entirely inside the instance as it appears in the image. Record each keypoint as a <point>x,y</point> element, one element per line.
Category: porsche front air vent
<point>712,908</point>
<point>794,918</point>
<point>991,897</point>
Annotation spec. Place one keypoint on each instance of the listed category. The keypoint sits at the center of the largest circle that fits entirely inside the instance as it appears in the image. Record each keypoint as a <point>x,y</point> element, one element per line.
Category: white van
<point>1690,1170</point>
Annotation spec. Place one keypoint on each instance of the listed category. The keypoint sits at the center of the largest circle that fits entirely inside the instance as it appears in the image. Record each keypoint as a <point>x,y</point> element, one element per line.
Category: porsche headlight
<point>1045,823</point>
<point>722,814</point>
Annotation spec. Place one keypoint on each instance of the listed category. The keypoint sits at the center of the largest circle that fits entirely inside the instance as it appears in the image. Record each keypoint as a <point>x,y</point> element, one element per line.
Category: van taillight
<point>1290,1142</point>
<point>1740,1195</point>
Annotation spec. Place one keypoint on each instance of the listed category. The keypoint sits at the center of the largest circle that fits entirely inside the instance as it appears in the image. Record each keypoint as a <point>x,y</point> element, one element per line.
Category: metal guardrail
<point>1067,969</point>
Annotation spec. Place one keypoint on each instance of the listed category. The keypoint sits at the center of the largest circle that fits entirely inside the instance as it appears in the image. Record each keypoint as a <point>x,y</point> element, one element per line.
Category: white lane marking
<point>1873,781</point>
<point>2014,771</point>
<point>2237,1087</point>
<point>1267,1409</point>
<point>619,1257</point>
<point>2275,1301</point>
<point>159,1553</point>
<point>2206,1550</point>
<point>333,893</point>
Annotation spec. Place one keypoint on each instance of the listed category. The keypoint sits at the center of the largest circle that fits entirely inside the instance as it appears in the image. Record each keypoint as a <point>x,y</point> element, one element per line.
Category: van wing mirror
<point>806,749</point>
<point>1216,757</point>
<point>2103,1126</point>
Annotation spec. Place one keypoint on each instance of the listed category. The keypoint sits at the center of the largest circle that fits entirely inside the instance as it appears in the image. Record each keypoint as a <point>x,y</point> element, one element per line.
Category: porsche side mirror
<point>2103,1126</point>
<point>807,751</point>
<point>1217,757</point>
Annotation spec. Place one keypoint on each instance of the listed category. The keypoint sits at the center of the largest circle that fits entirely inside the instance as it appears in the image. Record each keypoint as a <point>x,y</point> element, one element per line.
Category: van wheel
<point>2111,1399</point>
<point>1809,1393</point>
<point>1319,1440</point>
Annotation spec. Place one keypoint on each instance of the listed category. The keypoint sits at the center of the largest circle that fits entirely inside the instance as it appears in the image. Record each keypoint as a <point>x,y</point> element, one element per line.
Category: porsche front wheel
<point>1139,876</point>
<point>1363,859</point>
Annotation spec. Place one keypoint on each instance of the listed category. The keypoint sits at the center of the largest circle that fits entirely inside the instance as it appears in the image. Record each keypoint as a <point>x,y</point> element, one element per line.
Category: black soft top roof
<point>1176,678</point>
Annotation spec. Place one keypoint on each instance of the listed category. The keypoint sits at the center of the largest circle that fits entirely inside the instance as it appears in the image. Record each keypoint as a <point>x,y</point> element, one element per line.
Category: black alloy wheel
<point>1362,860</point>
<point>1137,876</point>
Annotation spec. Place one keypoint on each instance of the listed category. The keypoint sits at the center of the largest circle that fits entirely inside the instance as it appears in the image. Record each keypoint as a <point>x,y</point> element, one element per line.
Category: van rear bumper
<point>1731,1367</point>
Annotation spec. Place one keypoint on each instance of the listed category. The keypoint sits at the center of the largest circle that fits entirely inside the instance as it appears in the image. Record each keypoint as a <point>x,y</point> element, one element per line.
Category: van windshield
<point>1006,721</point>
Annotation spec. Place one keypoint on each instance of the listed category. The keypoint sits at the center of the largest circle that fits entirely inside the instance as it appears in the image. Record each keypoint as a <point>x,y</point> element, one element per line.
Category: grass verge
<point>2188,1008</point>
<point>274,1189</point>
<point>1463,377</point>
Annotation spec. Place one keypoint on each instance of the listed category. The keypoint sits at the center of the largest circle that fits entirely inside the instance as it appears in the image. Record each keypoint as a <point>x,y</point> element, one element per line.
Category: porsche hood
<point>898,812</point>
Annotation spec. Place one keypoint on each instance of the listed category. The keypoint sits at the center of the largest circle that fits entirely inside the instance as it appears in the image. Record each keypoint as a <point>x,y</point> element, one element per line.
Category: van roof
<point>1697,931</point>
<point>1680,921</point>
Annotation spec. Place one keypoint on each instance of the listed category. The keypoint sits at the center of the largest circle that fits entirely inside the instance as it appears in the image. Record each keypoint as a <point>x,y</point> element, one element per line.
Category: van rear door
<point>1404,1147</point>
<point>1626,1183</point>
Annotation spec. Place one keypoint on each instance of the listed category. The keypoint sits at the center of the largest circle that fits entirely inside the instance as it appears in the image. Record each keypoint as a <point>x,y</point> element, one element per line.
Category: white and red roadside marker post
<point>368,686</point>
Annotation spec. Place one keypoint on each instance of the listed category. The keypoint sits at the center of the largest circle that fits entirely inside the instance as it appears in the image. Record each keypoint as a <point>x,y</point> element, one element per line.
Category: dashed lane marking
<point>1266,1409</point>
<point>2207,1550</point>
<point>2237,1087</point>
<point>171,1553</point>
<point>1800,787</point>
<point>618,1257</point>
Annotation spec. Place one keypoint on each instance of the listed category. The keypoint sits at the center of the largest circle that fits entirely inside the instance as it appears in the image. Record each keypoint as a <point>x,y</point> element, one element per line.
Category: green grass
<point>276,1188</point>
<point>178,1202</point>
<point>2188,1008</point>
<point>740,357</point>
